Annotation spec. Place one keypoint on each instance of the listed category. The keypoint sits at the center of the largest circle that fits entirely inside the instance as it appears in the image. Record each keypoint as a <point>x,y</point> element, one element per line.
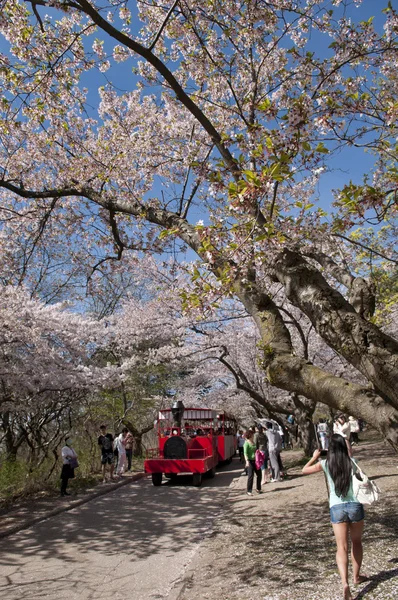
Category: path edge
<point>70,506</point>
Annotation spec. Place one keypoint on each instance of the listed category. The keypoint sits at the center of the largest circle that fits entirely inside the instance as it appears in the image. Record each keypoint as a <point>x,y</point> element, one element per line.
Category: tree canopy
<point>215,127</point>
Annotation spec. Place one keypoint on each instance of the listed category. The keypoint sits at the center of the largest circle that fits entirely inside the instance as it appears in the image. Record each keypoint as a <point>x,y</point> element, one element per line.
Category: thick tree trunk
<point>294,374</point>
<point>304,409</point>
<point>137,447</point>
<point>361,343</point>
<point>9,437</point>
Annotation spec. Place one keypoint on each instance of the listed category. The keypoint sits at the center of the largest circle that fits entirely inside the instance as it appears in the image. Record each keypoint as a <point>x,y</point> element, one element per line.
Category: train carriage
<point>190,441</point>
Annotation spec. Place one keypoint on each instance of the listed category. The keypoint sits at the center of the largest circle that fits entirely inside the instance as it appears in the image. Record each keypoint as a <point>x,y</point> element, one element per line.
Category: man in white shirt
<point>69,460</point>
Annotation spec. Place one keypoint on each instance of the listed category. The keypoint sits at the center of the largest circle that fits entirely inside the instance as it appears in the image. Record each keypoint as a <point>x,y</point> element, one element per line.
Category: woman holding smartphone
<point>346,513</point>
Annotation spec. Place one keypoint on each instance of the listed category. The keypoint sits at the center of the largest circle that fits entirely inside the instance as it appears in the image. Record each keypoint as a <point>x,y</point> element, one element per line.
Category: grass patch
<point>18,479</point>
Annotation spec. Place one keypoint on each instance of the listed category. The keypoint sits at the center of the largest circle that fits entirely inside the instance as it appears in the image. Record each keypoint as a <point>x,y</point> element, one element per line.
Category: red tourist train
<point>190,440</point>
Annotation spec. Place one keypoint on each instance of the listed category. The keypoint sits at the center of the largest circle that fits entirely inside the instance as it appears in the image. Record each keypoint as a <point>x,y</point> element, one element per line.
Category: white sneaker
<point>249,493</point>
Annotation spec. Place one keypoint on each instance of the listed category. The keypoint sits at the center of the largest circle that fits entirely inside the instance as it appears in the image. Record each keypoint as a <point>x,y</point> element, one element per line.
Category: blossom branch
<point>167,18</point>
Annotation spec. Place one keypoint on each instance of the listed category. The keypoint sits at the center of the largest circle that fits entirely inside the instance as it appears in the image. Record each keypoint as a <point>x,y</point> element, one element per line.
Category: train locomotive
<point>190,441</point>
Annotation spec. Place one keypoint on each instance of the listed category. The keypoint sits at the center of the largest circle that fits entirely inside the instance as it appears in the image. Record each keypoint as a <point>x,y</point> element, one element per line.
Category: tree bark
<point>297,375</point>
<point>304,410</point>
<point>361,343</point>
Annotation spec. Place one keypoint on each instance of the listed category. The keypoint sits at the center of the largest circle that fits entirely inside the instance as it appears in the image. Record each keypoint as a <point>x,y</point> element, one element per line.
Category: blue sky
<point>345,164</point>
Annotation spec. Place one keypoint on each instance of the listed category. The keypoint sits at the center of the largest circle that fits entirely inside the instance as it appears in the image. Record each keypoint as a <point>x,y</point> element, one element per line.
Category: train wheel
<point>157,478</point>
<point>173,477</point>
<point>212,473</point>
<point>197,479</point>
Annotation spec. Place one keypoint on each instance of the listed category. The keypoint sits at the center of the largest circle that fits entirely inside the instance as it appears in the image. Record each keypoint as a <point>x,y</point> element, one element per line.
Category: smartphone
<point>323,452</point>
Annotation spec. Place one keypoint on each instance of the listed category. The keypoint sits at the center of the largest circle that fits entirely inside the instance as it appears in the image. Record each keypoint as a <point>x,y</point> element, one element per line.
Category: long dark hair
<point>339,465</point>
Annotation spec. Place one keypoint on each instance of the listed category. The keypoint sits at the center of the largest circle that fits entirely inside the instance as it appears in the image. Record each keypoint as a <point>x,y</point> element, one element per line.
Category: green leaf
<point>268,142</point>
<point>195,274</point>
<point>322,148</point>
<point>264,105</point>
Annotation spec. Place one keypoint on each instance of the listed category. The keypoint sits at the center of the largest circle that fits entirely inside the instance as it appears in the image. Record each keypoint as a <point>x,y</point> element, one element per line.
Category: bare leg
<point>263,475</point>
<point>341,534</point>
<point>356,530</point>
<point>103,473</point>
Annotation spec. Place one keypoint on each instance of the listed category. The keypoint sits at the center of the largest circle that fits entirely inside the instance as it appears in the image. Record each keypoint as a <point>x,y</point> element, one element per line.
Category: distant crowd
<point>260,450</point>
<point>349,428</point>
<point>261,445</point>
<point>116,456</point>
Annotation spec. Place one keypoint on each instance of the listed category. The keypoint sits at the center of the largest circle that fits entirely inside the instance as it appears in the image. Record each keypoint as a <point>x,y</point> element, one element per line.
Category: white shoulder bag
<point>365,490</point>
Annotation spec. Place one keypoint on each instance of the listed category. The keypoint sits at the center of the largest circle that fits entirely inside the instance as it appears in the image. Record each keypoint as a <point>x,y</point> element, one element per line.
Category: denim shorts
<point>348,512</point>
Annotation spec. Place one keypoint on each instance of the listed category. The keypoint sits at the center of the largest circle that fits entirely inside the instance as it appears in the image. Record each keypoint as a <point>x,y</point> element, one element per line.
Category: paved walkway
<point>134,542</point>
<point>24,513</point>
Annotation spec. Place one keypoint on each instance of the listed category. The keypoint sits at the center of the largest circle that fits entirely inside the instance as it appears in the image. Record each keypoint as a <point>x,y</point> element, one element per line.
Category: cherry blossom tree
<point>234,112</point>
<point>46,367</point>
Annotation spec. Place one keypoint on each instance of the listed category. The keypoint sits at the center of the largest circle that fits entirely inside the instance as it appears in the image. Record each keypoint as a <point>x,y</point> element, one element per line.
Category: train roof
<point>203,414</point>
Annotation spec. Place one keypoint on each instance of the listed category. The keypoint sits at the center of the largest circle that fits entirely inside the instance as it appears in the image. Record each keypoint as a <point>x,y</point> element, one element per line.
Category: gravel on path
<point>280,546</point>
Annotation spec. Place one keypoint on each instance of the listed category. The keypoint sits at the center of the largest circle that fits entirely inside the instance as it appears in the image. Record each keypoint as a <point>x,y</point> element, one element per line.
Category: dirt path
<point>280,546</point>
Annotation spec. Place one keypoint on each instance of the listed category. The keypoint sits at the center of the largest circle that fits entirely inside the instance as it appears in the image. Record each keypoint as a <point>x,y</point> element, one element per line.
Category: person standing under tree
<point>119,444</point>
<point>261,443</point>
<point>241,443</point>
<point>69,460</point>
<point>354,430</point>
<point>249,451</point>
<point>128,444</point>
<point>274,449</point>
<point>323,434</point>
<point>105,442</point>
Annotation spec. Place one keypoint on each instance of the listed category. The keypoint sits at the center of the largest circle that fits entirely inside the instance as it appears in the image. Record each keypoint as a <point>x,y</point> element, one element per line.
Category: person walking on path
<point>323,434</point>
<point>119,445</point>
<point>261,442</point>
<point>128,444</point>
<point>354,430</point>
<point>69,464</point>
<point>274,449</point>
<point>346,513</point>
<point>249,451</point>
<point>241,442</point>
<point>105,442</point>
<point>342,427</point>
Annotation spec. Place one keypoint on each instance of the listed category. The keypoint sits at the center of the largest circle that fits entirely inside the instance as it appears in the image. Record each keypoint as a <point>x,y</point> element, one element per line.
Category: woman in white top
<point>69,459</point>
<point>120,445</point>
<point>354,429</point>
